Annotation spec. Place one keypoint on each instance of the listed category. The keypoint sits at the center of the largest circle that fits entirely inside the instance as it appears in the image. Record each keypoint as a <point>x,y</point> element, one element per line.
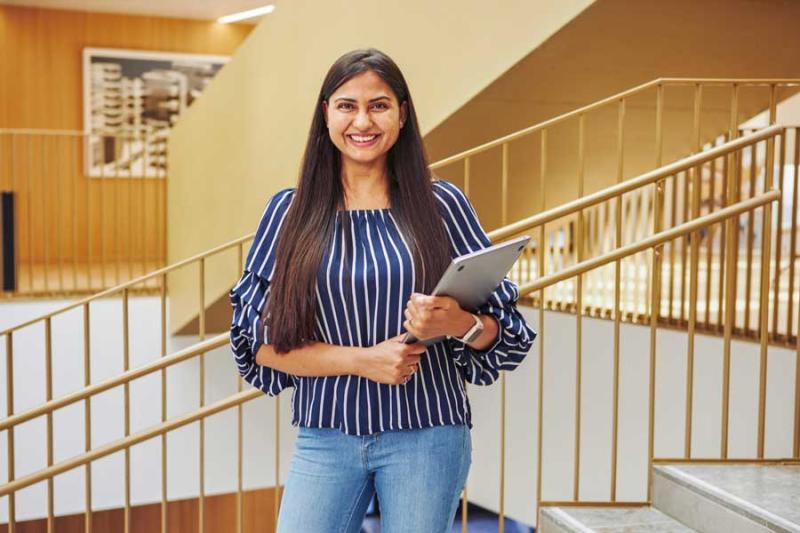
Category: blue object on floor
<point>480,521</point>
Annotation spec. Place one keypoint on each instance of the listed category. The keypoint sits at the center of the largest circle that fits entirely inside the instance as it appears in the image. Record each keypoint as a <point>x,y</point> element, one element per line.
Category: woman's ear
<point>403,113</point>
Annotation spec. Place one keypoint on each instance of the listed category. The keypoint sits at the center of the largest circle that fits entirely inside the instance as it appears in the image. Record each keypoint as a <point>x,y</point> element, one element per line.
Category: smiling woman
<point>340,268</point>
<point>363,127</point>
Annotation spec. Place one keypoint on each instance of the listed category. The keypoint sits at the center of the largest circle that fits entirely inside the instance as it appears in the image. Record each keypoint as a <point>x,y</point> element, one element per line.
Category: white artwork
<point>131,100</point>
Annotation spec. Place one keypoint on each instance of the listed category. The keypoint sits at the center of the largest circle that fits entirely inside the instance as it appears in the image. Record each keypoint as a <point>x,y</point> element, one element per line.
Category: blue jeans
<point>418,474</point>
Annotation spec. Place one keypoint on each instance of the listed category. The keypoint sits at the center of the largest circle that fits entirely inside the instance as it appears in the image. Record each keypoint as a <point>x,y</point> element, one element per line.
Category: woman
<point>340,268</point>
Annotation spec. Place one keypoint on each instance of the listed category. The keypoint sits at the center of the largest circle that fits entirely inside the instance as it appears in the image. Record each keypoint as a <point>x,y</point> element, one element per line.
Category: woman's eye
<point>342,106</point>
<point>382,105</point>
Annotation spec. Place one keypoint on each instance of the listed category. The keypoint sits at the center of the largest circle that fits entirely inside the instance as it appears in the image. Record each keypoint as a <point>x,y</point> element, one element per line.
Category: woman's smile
<point>363,141</point>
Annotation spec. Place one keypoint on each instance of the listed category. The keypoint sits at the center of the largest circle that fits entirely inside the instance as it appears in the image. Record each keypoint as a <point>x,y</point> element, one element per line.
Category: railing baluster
<point>540,273</point>
<point>695,259</point>
<point>115,223</point>
<point>724,189</point>
<point>576,487</point>
<point>502,481</point>
<point>655,306</point>
<point>29,211</point>
<point>58,210</point>
<point>672,244</point>
<point>774,331</point>
<point>617,311</point>
<point>142,203</point>
<point>709,240</point>
<point>277,491</point>
<point>684,245</point>
<point>763,293</point>
<point>48,376</point>
<point>734,167</point>
<point>163,300</point>
<point>163,234</point>
<point>101,186</point>
<point>87,417</point>
<point>240,430</point>
<point>693,177</point>
<point>12,502</point>
<point>127,405</point>
<point>89,224</point>
<point>750,235</point>
<point>796,445</point>
<point>129,189</point>
<point>793,233</point>
<point>201,333</point>
<point>73,174</point>
<point>43,174</point>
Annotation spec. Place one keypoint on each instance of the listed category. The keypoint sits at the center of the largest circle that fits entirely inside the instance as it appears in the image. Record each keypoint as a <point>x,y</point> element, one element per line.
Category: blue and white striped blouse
<point>382,279</point>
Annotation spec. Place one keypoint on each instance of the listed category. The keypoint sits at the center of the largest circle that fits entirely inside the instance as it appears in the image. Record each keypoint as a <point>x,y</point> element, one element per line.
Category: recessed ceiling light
<point>250,13</point>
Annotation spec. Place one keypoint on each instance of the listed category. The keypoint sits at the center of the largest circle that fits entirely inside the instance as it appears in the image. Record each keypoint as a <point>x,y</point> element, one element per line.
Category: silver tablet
<point>471,278</point>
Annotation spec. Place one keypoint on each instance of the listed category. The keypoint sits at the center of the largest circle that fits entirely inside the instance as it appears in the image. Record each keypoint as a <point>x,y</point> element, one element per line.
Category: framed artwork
<point>131,100</point>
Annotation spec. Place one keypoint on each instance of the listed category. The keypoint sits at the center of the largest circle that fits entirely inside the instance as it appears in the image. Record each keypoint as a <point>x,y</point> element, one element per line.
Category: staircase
<point>710,498</point>
<point>553,276</point>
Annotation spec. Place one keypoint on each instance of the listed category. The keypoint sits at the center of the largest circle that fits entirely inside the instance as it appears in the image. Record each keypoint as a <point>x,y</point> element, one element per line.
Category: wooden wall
<point>59,210</point>
<point>219,514</point>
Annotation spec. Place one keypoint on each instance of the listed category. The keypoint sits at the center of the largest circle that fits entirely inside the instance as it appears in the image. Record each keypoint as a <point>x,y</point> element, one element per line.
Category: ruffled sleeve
<point>249,295</point>
<point>515,337</point>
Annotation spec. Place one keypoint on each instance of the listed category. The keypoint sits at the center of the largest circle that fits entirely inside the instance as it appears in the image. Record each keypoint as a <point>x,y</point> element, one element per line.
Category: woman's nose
<point>362,120</point>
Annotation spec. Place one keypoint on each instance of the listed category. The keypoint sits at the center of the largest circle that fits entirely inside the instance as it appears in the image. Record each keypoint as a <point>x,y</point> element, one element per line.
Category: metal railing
<point>638,212</point>
<point>89,208</point>
<point>116,227</point>
<point>656,241</point>
<point>158,278</point>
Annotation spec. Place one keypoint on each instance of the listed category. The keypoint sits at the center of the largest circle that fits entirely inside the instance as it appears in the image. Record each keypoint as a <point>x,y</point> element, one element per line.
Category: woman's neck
<point>365,188</point>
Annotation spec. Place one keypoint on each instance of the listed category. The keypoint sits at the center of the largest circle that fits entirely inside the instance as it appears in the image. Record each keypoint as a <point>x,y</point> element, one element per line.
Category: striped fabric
<point>381,282</point>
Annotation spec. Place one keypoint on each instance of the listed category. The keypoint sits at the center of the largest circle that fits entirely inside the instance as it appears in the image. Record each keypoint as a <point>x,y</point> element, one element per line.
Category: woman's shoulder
<point>451,198</point>
<point>279,201</point>
<point>443,187</point>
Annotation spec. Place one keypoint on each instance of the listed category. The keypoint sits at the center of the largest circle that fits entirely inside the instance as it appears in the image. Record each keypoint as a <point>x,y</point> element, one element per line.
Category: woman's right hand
<point>391,361</point>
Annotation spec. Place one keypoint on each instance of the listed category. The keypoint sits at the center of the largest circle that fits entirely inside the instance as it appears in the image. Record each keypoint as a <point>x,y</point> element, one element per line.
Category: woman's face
<point>364,119</point>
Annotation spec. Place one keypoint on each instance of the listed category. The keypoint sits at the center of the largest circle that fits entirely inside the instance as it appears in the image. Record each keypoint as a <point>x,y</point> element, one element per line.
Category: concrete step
<point>730,498</point>
<point>607,520</point>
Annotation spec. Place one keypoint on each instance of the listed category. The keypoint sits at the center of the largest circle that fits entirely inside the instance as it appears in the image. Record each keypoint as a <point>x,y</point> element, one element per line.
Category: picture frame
<point>131,100</point>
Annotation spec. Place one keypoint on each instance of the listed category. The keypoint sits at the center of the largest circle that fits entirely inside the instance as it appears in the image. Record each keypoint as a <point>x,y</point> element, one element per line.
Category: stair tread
<point>767,494</point>
<point>613,519</point>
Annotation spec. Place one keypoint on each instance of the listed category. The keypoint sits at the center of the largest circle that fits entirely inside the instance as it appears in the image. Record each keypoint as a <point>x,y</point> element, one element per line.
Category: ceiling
<point>192,9</point>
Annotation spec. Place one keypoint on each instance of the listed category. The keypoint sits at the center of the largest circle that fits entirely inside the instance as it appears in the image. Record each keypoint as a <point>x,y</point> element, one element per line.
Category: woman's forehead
<point>365,86</point>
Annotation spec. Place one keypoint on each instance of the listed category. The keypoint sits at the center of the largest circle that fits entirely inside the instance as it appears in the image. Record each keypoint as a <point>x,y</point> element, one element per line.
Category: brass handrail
<point>131,283</point>
<point>605,101</point>
<point>648,178</point>
<point>87,392</point>
<point>127,442</point>
<point>236,399</point>
<point>652,241</point>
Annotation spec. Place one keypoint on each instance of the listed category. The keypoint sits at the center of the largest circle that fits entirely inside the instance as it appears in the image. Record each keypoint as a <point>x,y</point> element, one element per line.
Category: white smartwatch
<point>474,332</point>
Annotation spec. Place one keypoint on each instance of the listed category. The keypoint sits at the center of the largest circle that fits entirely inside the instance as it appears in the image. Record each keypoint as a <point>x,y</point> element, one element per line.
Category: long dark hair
<point>310,221</point>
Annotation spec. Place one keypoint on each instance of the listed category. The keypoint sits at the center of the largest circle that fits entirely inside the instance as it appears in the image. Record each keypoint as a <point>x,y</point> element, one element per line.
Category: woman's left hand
<point>432,316</point>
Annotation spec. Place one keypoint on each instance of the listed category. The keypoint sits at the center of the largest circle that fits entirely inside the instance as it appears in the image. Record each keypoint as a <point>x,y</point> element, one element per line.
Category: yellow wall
<point>612,46</point>
<point>41,87</point>
<point>243,141</point>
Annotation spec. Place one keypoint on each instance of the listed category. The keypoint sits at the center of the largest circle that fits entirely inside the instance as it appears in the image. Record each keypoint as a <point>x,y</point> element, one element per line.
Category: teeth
<point>361,139</point>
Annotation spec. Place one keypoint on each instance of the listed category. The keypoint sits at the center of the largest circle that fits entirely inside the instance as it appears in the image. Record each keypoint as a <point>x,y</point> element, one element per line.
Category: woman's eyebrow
<point>348,99</point>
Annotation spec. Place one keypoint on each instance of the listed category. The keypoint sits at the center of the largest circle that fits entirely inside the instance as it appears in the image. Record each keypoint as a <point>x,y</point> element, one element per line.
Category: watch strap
<point>474,332</point>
